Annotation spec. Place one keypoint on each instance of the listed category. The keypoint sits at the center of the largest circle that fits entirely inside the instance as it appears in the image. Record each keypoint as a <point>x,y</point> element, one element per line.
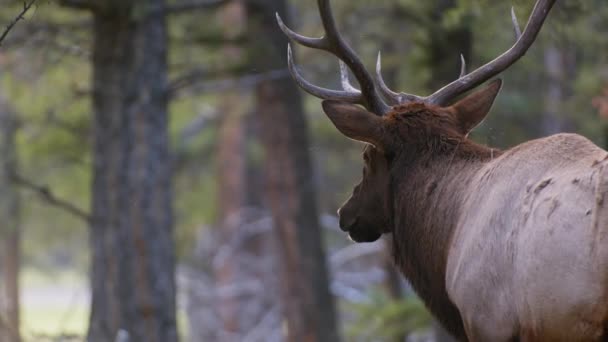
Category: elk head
<point>395,124</point>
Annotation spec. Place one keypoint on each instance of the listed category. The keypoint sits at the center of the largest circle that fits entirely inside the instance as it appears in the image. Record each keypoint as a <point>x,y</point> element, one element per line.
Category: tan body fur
<point>529,255</point>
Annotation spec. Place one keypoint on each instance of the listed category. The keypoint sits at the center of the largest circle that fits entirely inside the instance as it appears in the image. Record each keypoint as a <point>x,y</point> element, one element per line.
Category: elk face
<point>365,215</point>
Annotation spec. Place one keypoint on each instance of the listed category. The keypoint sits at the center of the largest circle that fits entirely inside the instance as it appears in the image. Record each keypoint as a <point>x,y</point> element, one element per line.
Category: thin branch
<point>48,196</point>
<point>230,83</point>
<point>177,8</point>
<point>79,4</point>
<point>186,80</point>
<point>192,5</point>
<point>26,7</point>
<point>196,75</point>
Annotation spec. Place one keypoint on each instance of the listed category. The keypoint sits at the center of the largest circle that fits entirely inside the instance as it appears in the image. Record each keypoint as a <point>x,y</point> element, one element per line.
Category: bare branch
<point>194,76</point>
<point>186,80</point>
<point>79,4</point>
<point>26,7</point>
<point>229,83</point>
<point>48,196</point>
<point>177,8</point>
<point>192,5</point>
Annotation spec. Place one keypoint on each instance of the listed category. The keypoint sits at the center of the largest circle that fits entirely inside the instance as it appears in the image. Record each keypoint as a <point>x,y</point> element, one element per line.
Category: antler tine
<point>515,24</point>
<point>393,97</point>
<point>463,66</point>
<point>386,91</point>
<point>345,80</point>
<point>324,93</point>
<point>315,43</point>
<point>340,48</point>
<point>333,42</point>
<point>496,66</point>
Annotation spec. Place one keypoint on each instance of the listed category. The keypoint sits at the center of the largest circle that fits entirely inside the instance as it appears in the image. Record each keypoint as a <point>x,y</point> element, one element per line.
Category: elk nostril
<point>347,222</point>
<point>338,211</point>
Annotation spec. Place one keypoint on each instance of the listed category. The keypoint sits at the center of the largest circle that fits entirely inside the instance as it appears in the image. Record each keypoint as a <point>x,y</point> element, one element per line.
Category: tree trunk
<point>308,307</point>
<point>236,186</point>
<point>10,231</point>
<point>446,45</point>
<point>231,161</point>
<point>231,193</point>
<point>560,67</point>
<point>133,285</point>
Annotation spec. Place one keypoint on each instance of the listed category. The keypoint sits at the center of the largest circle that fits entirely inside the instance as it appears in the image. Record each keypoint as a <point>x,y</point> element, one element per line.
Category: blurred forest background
<point>163,179</point>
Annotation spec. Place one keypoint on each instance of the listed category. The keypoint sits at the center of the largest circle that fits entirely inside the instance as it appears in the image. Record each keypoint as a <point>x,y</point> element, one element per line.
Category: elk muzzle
<point>346,219</point>
<point>357,228</point>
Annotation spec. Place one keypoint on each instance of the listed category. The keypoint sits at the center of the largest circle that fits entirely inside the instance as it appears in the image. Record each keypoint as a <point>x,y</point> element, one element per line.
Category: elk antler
<point>368,96</point>
<point>524,40</point>
<point>333,43</point>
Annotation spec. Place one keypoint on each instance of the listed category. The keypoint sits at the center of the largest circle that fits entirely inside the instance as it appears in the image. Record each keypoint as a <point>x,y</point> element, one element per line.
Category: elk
<point>500,245</point>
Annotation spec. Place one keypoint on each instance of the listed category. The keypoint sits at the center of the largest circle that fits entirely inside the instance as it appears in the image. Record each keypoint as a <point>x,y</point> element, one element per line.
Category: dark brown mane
<point>420,244</point>
<point>432,165</point>
<point>432,130</point>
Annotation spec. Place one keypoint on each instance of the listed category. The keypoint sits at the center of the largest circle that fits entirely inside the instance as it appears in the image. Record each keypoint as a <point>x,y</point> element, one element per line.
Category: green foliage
<point>385,319</point>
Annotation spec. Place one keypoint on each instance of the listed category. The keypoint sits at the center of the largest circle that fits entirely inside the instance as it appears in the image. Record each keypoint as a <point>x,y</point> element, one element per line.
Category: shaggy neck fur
<point>428,184</point>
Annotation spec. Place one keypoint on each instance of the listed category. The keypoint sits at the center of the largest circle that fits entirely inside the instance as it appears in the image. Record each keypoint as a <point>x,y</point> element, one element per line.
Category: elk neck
<point>428,190</point>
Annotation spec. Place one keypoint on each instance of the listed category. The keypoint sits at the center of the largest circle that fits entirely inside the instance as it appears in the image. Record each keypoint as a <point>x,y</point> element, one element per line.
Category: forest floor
<point>53,304</point>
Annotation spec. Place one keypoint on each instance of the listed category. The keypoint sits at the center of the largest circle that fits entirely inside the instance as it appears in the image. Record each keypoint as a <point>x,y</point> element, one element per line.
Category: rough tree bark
<point>236,191</point>
<point>307,304</point>
<point>231,163</point>
<point>446,45</point>
<point>560,66</point>
<point>231,187</point>
<point>10,234</point>
<point>133,285</point>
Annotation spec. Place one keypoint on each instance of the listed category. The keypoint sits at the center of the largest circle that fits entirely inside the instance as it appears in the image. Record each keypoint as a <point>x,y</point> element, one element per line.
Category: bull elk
<point>500,245</point>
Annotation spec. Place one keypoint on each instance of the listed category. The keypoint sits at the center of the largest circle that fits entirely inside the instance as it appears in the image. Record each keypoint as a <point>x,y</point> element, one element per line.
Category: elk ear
<point>471,110</point>
<point>355,122</point>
